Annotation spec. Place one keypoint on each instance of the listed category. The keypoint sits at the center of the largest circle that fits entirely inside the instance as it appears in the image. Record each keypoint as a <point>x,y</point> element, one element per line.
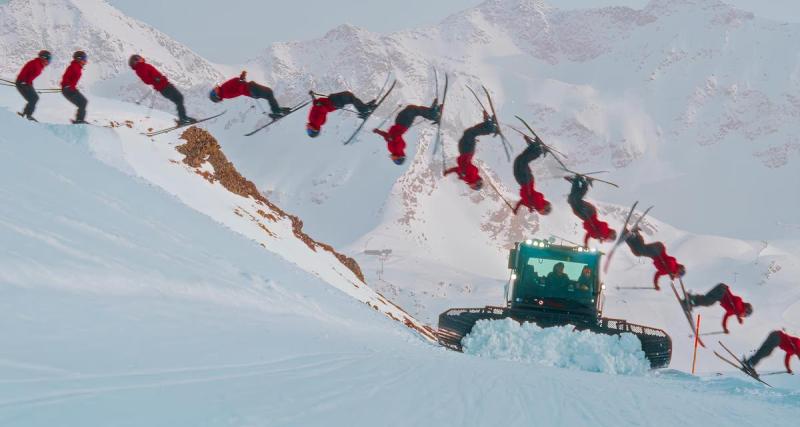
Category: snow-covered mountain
<point>108,36</point>
<point>690,104</point>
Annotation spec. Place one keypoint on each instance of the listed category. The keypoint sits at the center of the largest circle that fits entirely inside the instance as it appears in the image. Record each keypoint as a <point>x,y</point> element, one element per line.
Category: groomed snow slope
<point>122,306</point>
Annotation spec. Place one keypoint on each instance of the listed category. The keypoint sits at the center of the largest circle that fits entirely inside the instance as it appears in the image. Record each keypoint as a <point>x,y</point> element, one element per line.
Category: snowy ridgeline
<point>561,347</point>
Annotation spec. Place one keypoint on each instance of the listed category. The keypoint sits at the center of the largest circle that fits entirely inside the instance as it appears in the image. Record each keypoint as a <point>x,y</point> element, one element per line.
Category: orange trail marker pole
<point>696,338</point>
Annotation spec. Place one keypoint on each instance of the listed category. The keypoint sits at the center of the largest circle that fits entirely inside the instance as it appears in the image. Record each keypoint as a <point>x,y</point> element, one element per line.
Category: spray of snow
<point>559,346</point>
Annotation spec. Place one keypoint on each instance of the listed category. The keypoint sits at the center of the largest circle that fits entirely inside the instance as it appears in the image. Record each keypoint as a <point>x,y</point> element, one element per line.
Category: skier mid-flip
<point>335,101</point>
<point>239,86</point>
<point>69,85</point>
<point>24,83</point>
<point>733,304</point>
<point>151,76</point>
<point>595,229</point>
<point>467,171</point>
<point>405,118</point>
<point>529,197</point>
<point>787,343</point>
<point>665,264</point>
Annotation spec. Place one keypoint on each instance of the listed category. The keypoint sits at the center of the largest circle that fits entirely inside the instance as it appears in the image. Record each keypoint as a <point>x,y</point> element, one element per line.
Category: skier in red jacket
<point>69,85</point>
<point>24,83</point>
<point>239,86</point>
<point>153,77</point>
<point>529,197</point>
<point>405,118</point>
<point>665,265</point>
<point>787,343</point>
<point>733,305</point>
<point>595,229</point>
<point>467,171</point>
<point>335,101</point>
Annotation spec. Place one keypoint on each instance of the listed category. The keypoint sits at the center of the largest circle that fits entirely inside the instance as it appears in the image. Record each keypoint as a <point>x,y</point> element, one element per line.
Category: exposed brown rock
<point>201,147</point>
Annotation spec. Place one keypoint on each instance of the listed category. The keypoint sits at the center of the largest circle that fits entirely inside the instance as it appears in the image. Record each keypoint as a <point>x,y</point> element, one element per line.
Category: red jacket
<point>531,198</point>
<point>233,88</point>
<point>596,229</point>
<point>31,71</point>
<point>467,172</point>
<point>319,112</point>
<point>72,75</point>
<point>395,142</point>
<point>151,76</point>
<point>791,345</point>
<point>733,305</point>
<point>666,266</point>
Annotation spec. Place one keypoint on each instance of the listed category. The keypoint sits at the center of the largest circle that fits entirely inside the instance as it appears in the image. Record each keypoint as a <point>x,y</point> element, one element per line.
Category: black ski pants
<point>772,341</point>
<point>711,297</point>
<point>76,97</point>
<point>262,92</point>
<point>640,248</point>
<point>406,117</point>
<point>341,99</point>
<point>171,93</point>
<point>29,93</point>
<point>522,170</point>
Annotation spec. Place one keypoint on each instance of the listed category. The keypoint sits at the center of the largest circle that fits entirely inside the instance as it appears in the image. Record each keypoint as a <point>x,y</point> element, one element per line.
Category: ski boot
<point>281,112</point>
<point>28,116</point>
<point>748,366</point>
<point>436,110</point>
<point>490,123</point>
<point>368,111</point>
<point>79,122</point>
<point>186,121</point>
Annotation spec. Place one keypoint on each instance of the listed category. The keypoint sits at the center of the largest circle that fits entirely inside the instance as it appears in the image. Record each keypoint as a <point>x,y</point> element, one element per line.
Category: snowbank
<point>559,347</point>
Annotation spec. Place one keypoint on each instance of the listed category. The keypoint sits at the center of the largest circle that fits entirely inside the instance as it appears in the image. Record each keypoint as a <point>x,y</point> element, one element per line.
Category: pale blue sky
<point>263,22</point>
<point>232,31</point>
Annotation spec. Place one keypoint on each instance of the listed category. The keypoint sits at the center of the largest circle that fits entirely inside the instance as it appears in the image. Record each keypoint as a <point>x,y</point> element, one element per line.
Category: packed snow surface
<point>560,346</point>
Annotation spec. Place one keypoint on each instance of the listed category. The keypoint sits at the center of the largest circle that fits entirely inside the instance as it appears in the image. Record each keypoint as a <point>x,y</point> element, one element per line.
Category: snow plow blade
<point>456,323</point>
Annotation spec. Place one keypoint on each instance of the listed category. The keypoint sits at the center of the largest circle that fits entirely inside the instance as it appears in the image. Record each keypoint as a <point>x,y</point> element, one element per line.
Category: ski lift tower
<point>383,255</point>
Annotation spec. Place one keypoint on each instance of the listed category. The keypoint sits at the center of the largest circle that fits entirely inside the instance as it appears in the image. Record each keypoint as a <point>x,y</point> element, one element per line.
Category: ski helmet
<point>398,160</point>
<point>748,309</point>
<point>549,208</point>
<point>312,131</point>
<point>45,54</point>
<point>477,185</point>
<point>80,55</point>
<point>135,59</point>
<point>214,96</point>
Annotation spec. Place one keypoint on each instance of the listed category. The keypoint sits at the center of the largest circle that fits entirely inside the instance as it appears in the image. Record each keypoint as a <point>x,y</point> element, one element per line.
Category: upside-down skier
<point>466,170</point>
<point>405,118</point>
<point>529,197</point>
<point>587,212</point>
<point>323,105</point>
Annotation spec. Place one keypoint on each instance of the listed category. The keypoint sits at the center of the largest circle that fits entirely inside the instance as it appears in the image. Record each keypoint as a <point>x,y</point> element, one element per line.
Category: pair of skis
<point>503,139</point>
<point>179,126</point>
<point>381,97</point>
<point>687,308</point>
<point>623,235</point>
<point>740,365</point>
<point>4,82</point>
<point>438,140</point>
<point>296,107</point>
